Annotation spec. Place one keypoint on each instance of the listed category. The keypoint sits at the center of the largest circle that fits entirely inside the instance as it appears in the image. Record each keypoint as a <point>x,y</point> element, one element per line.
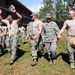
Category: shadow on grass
<point>3,52</point>
<point>20,53</point>
<point>64,56</point>
<point>46,56</point>
<point>22,44</point>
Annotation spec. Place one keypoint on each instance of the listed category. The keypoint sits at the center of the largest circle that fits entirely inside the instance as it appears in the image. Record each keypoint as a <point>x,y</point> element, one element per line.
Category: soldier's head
<point>9,17</point>
<point>0,23</point>
<point>48,17</point>
<point>42,19</point>
<point>34,16</point>
<point>71,13</point>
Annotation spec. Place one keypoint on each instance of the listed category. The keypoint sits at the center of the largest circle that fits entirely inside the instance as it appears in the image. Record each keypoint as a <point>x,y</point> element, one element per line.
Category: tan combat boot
<point>34,62</point>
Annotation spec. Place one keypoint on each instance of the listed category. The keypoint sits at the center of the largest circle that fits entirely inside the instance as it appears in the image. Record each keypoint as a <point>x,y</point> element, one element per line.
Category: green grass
<point>22,65</point>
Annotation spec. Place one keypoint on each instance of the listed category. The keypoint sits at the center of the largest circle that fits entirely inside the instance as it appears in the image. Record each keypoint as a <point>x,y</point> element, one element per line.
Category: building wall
<point>24,11</point>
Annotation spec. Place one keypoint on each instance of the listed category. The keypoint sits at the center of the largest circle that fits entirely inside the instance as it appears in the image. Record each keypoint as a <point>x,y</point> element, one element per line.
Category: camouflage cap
<point>34,14</point>
<point>48,15</point>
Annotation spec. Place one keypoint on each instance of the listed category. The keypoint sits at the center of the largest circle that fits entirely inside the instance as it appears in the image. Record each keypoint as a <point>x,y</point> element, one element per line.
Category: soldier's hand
<point>0,11</point>
<point>59,36</point>
<point>14,10</point>
<point>35,37</point>
<point>27,38</point>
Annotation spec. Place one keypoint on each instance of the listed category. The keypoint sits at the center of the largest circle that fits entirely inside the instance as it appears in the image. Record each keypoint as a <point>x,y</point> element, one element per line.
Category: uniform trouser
<point>11,44</point>
<point>3,40</point>
<point>1,47</point>
<point>70,49</point>
<point>23,37</point>
<point>37,44</point>
<point>51,48</point>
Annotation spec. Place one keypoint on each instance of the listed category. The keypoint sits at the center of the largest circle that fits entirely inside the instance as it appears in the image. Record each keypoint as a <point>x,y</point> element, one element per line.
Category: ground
<point>22,64</point>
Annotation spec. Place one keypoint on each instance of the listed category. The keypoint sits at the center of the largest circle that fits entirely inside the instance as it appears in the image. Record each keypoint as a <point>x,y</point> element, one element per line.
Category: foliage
<point>57,8</point>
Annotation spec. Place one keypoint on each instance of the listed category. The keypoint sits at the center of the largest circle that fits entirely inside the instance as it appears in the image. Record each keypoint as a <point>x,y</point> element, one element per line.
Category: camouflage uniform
<point>11,38</point>
<point>50,38</point>
<point>1,40</point>
<point>22,34</point>
<point>35,43</point>
<point>71,33</point>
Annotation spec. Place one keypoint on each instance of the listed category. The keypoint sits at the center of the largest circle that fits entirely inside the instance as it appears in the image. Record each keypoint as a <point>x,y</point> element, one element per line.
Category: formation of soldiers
<point>41,34</point>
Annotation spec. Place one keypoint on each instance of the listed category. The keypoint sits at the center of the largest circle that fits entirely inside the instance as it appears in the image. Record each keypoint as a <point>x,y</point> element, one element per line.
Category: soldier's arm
<point>27,37</point>
<point>61,31</point>
<point>18,15</point>
<point>1,18</point>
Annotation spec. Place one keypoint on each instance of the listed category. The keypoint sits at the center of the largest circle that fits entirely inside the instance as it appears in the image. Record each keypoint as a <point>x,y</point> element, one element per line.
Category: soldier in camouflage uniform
<point>12,31</point>
<point>50,38</point>
<point>22,34</point>
<point>36,39</point>
<point>70,25</point>
<point>2,33</point>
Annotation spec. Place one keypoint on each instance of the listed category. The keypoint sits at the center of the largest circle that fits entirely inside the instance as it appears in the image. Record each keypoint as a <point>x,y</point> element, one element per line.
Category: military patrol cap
<point>48,15</point>
<point>34,14</point>
<point>72,42</point>
<point>9,16</point>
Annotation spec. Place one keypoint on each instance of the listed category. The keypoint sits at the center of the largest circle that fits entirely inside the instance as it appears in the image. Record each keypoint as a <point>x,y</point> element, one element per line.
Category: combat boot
<point>34,62</point>
<point>54,61</point>
<point>50,61</point>
<point>11,61</point>
<point>72,65</point>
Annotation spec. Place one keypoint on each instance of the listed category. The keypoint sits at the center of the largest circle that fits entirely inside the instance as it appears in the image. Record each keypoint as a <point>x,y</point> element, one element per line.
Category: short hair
<point>9,16</point>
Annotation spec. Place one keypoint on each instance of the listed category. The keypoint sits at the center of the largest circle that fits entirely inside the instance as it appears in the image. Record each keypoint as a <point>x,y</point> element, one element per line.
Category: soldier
<point>35,36</point>
<point>50,38</point>
<point>4,37</point>
<point>12,37</point>
<point>2,33</point>
<point>70,25</point>
<point>22,34</point>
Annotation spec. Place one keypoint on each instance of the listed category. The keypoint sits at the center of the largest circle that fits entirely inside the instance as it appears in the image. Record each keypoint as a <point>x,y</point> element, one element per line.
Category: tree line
<point>57,8</point>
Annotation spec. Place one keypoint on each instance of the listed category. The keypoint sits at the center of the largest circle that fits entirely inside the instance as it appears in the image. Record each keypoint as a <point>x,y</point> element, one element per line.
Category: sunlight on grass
<point>22,64</point>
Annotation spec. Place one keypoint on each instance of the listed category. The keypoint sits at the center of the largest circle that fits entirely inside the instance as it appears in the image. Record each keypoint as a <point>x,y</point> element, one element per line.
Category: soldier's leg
<point>53,51</point>
<point>8,44</point>
<point>41,49</point>
<point>1,47</point>
<point>14,48</point>
<point>71,53</point>
<point>34,52</point>
<point>23,38</point>
<point>47,46</point>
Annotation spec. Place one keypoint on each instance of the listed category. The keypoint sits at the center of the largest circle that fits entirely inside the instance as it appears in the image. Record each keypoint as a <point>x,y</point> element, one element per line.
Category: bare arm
<point>61,31</point>
<point>0,15</point>
<point>18,15</point>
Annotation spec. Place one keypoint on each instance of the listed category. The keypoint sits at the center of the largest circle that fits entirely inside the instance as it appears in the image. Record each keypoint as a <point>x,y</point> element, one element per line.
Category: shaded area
<point>46,56</point>
<point>22,44</point>
<point>2,50</point>
<point>20,53</point>
<point>64,56</point>
<point>3,53</point>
